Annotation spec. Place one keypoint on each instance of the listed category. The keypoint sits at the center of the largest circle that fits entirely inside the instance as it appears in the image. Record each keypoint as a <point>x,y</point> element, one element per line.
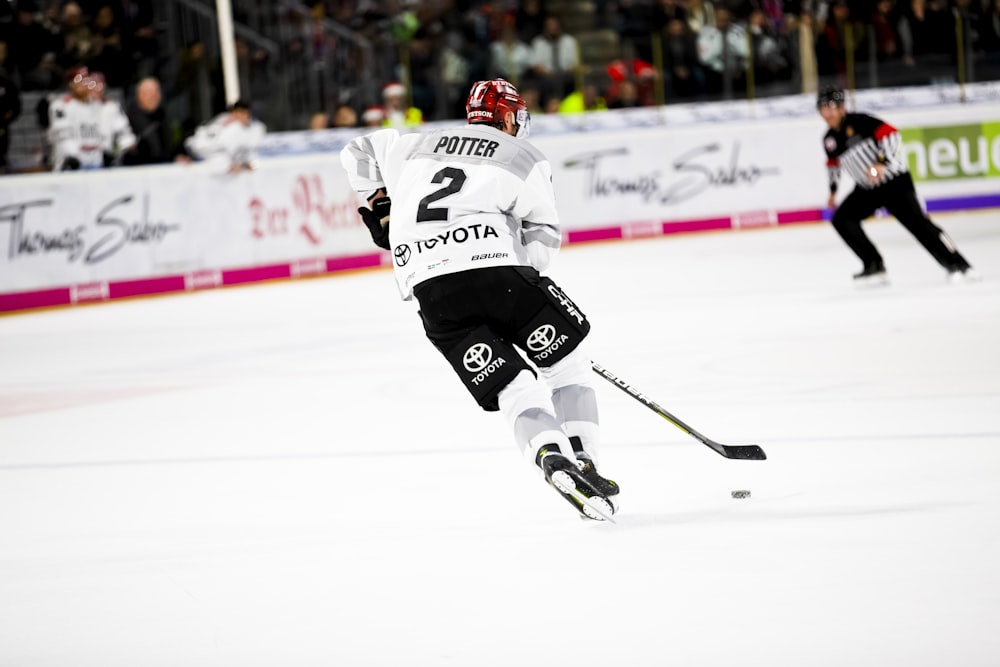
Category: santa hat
<point>373,115</point>
<point>394,89</point>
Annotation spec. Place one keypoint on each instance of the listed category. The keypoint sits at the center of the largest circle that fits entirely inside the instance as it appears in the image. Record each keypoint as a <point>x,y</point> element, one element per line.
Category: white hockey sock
<point>527,405</point>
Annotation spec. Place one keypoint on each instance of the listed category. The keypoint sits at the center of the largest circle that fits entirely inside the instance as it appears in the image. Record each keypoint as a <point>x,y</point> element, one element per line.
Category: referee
<point>868,150</point>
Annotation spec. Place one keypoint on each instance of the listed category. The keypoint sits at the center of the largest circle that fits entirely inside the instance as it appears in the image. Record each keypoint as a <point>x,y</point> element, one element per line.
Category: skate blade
<point>597,509</point>
<point>868,282</point>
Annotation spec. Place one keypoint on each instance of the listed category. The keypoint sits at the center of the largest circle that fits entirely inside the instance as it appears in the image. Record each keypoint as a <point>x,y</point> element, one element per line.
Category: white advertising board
<point>60,229</point>
<point>103,234</point>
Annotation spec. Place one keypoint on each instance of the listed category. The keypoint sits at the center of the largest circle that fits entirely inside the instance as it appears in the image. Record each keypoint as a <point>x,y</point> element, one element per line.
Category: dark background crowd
<point>326,63</point>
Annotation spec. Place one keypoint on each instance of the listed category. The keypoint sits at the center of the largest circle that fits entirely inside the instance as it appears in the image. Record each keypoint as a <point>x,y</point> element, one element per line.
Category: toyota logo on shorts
<point>401,254</point>
<point>541,338</point>
<point>477,357</point>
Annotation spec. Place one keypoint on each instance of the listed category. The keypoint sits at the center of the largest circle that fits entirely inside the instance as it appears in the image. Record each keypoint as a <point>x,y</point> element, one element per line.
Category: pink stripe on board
<point>127,288</point>
<point>356,262</point>
<point>255,274</point>
<point>36,299</point>
<point>808,215</point>
<point>584,235</point>
<point>674,226</point>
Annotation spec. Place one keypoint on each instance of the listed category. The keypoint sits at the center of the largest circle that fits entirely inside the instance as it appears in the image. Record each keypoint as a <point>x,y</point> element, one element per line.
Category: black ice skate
<point>872,274</point>
<point>566,478</point>
<point>606,487</point>
<point>962,273</point>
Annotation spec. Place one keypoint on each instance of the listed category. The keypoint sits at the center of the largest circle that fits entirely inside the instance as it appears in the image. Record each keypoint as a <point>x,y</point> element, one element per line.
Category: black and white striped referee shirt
<point>860,142</point>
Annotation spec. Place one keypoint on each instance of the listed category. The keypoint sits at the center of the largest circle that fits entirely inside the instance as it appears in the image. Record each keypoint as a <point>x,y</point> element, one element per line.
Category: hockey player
<point>869,150</point>
<point>116,132</point>
<point>473,222</point>
<point>74,133</point>
<point>230,139</point>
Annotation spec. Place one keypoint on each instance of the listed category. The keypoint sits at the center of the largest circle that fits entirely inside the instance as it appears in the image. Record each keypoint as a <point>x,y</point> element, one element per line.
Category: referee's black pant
<point>899,197</point>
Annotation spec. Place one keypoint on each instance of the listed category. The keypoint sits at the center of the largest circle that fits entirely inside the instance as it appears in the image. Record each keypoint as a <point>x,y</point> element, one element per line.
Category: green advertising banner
<point>953,152</point>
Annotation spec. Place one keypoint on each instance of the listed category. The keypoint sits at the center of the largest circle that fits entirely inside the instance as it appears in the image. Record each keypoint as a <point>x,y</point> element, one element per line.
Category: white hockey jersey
<point>75,132</point>
<point>116,132</point>
<point>226,137</point>
<point>463,198</point>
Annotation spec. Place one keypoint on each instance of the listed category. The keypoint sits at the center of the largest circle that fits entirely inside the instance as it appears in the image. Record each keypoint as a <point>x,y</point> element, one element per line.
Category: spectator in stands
<point>373,117</point>
<point>345,116</point>
<point>75,34</point>
<point>700,13</point>
<point>839,34</point>
<point>229,140</point>
<point>532,100</point>
<point>627,96</point>
<point>319,121</point>
<point>883,23</point>
<point>722,51</point>
<point>148,120</point>
<point>509,56</point>
<point>74,126</point>
<point>555,56</point>
<point>770,61</point>
<point>140,42</point>
<point>641,77</point>
<point>116,133</point>
<point>106,54</point>
<point>32,50</point>
<point>923,29</point>
<point>530,20</point>
<point>588,99</point>
<point>10,107</point>
<point>680,60</point>
<point>397,113</point>
<point>666,11</point>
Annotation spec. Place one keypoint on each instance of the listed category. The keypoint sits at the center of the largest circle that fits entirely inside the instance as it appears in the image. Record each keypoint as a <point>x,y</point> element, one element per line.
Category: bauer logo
<point>951,152</point>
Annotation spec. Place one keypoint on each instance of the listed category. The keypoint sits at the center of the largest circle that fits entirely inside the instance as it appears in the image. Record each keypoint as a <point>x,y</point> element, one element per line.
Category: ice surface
<point>289,474</point>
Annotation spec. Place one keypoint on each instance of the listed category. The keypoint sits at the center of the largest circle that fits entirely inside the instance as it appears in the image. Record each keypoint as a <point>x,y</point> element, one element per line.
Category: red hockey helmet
<point>77,75</point>
<point>96,83</point>
<point>489,101</point>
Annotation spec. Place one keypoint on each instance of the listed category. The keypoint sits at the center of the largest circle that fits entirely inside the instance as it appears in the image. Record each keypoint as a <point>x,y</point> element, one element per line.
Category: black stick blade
<point>744,452</point>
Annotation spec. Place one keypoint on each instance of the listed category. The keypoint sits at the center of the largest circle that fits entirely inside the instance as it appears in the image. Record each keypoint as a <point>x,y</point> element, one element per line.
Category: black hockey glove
<point>376,219</point>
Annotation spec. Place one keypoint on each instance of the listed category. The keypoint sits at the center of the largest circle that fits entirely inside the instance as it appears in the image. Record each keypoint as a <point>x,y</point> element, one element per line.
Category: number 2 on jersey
<point>426,212</point>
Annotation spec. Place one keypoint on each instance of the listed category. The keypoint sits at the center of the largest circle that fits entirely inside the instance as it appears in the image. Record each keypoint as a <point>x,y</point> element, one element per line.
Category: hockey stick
<point>745,452</point>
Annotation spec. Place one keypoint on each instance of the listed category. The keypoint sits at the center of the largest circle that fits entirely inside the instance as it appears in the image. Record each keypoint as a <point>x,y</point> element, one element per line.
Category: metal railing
<point>291,63</point>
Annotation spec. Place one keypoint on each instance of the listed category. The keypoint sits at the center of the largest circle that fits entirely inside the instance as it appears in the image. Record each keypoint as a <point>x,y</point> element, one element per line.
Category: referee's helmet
<point>830,95</point>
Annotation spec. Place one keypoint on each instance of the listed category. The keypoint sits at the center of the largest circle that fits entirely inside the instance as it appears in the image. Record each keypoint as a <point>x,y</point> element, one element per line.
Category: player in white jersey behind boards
<point>74,133</point>
<point>117,136</point>
<point>230,140</point>
<point>473,223</point>
<point>869,150</point>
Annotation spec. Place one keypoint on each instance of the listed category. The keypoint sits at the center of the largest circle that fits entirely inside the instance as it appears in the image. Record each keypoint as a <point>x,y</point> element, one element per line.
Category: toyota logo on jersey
<point>479,359</point>
<point>544,341</point>
<point>401,254</point>
<point>541,338</point>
